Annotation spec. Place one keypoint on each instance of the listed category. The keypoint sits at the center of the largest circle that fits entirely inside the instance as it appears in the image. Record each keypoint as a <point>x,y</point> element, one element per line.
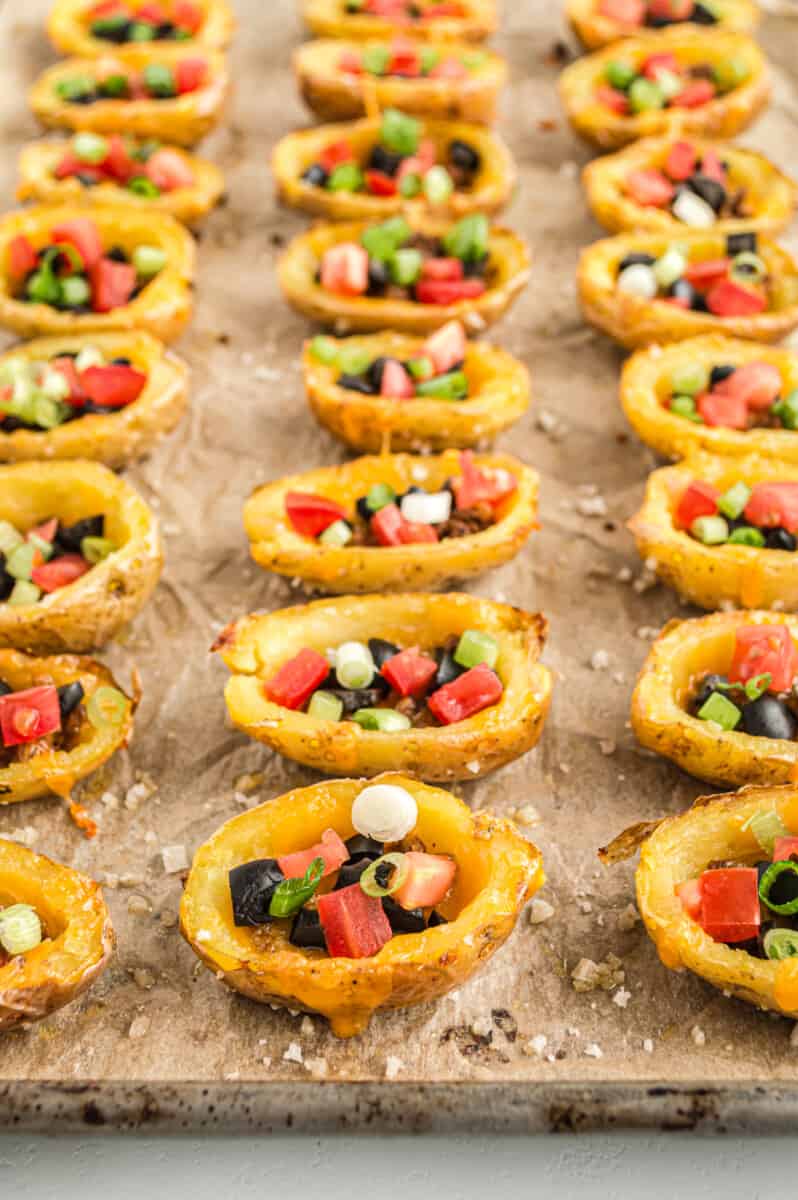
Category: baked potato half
<point>769,195</point>
<point>491,190</point>
<point>722,117</point>
<point>183,119</point>
<point>634,321</point>
<point>56,771</point>
<point>497,872</point>
<point>163,307</point>
<point>330,19</point>
<point>91,610</point>
<point>684,651</point>
<point>276,545</point>
<point>69,27</point>
<point>254,647</point>
<point>595,30</point>
<point>679,849</point>
<point>299,264</point>
<point>120,436</point>
<point>77,928</point>
<point>498,395</point>
<point>38,182</point>
<point>334,94</point>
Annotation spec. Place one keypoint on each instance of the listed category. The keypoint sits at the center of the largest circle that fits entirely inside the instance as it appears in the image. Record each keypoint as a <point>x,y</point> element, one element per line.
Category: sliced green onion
<point>689,379</point>
<point>669,267</point>
<point>23,593</point>
<point>645,95</point>
<point>474,59</point>
<point>379,496</point>
<point>10,537</point>
<point>148,260</point>
<point>346,177</point>
<point>684,406</point>
<point>712,531</point>
<point>375,59</point>
<point>429,59</point>
<point>421,367</point>
<point>620,74</point>
<point>324,349</point>
<point>353,360</point>
<point>729,73</point>
<point>54,385</point>
<point>385,720</point>
<point>766,827</point>
<point>325,706</point>
<point>354,666</point>
<point>748,268</point>
<point>399,132</point>
<point>757,685</point>
<point>398,866</point>
<point>159,80</point>
<point>142,31</point>
<point>90,147</point>
<point>787,410</point>
<point>20,929</point>
<point>95,549</point>
<point>734,500</point>
<point>141,185</point>
<point>383,240</point>
<point>48,414</point>
<point>669,83</point>
<point>19,563</point>
<point>468,238</point>
<point>290,895</point>
<point>452,386</point>
<point>410,185</point>
<point>405,267</point>
<point>114,85</point>
<point>107,706</point>
<point>747,535</point>
<point>767,882</point>
<point>89,356</point>
<point>75,88</point>
<point>75,291</point>
<point>337,534</point>
<point>720,711</point>
<point>781,943</point>
<point>438,185</point>
<point>44,548</point>
<point>476,647</point>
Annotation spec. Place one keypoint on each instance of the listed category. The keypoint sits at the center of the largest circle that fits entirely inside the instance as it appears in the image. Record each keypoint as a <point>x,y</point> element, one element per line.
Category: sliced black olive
<point>375,371</point>
<point>476,269</point>
<point>709,684</point>
<point>316,175</point>
<point>252,886</point>
<point>658,22</point>
<point>364,847</point>
<point>384,160</point>
<point>710,190</point>
<point>306,930</point>
<point>117,254</point>
<point>69,697</point>
<point>435,919</point>
<point>383,874</point>
<point>448,670</point>
<point>165,30</point>
<point>741,243</point>
<point>381,651</point>
<point>5,690</point>
<point>780,539</point>
<point>636,258</point>
<point>719,373</point>
<point>6,581</point>
<point>356,383</point>
<point>770,718</point>
<point>703,16</point>
<point>403,920</point>
<point>379,277</point>
<point>86,180</point>
<point>351,871</point>
<point>463,155</point>
<point>682,289</point>
<point>784,888</point>
<point>121,361</point>
<point>69,537</point>
<point>353,699</point>
<point>363,509</point>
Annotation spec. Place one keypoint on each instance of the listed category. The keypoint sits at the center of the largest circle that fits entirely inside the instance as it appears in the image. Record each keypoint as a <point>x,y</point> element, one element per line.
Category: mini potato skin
<point>645,389</point>
<point>327,19</point>
<point>254,647</point>
<point>683,651</point>
<point>595,30</point>
<point>276,546</point>
<point>183,120</point>
<point>293,154</point>
<point>334,95</point>
<point>633,321</point>
<point>162,308</point>
<point>724,117</point>
<point>498,871</point>
<point>69,31</point>
<point>499,395</point>
<point>88,612</point>
<point>122,436</point>
<point>770,195</point>
<point>81,936</point>
<point>38,160</point>
<point>714,577</point>
<point>56,772</point>
<point>680,848</point>
<point>299,262</point>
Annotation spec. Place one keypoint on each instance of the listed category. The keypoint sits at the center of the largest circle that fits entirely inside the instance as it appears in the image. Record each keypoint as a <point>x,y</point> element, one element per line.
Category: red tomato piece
<point>442,268</point>
<point>413,533</point>
<point>345,269</point>
<point>448,291</point>
<point>310,515</point>
<point>22,257</point>
<point>113,386</point>
<point>297,679</point>
<point>29,715</point>
<point>449,68</point>
<point>671,10</point>
<point>730,904</point>
<point>697,500</point>
<point>475,486</point>
<point>380,184</point>
<point>395,381</point>
<point>409,672</point>
<point>112,284</point>
<point>107,8</point>
<point>386,525</point>
<point>611,98</point>
<point>354,924</point>
<point>650,187</point>
<point>758,383</point>
<point>655,64</point>
<point>625,12</point>
<point>350,62</point>
<point>784,848</point>
<point>71,165</point>
<point>59,572</point>
<point>773,504</point>
<point>690,895</point>
<point>730,299</point>
<point>187,15</point>
<point>190,74</point>
<point>332,849</point>
<point>46,531</point>
<point>447,346</point>
<point>728,412</point>
<point>418,163</point>
<point>681,161</point>
<point>465,696</point>
<point>168,170</point>
<point>428,879</point>
<point>153,14</point>
<point>712,167</point>
<point>765,649</point>
<point>118,163</point>
<point>66,366</point>
<point>706,272</point>
<point>699,92</point>
<point>83,234</point>
<point>335,154</point>
<point>433,11</point>
<point>405,60</point>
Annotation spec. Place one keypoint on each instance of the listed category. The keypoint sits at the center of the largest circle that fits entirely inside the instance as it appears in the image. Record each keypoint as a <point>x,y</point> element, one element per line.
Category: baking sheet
<point>158,1042</point>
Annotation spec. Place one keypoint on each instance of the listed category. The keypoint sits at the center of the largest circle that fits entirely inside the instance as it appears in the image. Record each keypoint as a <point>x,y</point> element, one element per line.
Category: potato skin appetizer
<point>498,871</point>
<point>254,647</point>
<point>328,19</point>
<point>88,612</point>
<point>276,545</point>
<point>595,30</point>
<point>78,930</point>
<point>68,28</point>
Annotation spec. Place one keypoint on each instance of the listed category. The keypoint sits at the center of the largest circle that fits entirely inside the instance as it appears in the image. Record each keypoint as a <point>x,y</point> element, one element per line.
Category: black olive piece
<point>435,919</point>
<point>252,886</point>
<point>476,269</point>
<point>89,98</point>
<point>384,160</point>
<point>403,920</point>
<point>363,509</point>
<point>658,22</point>
<point>360,846</point>
<point>448,670</point>
<point>69,697</point>
<point>69,537</point>
<point>5,690</point>
<point>463,155</point>
<point>165,30</point>
<point>769,717</point>
<point>6,581</point>
<point>120,362</point>
<point>709,684</point>
<point>780,539</point>
<point>636,258</point>
<point>384,874</point>
<point>710,190</point>
<point>306,931</point>
<point>381,651</point>
<point>719,373</point>
<point>117,254</point>
<point>741,243</point>
<point>351,871</point>
<point>115,33</point>
<point>379,277</point>
<point>86,180</point>
<point>316,175</point>
<point>355,698</point>
<point>703,16</point>
<point>356,383</point>
<point>753,947</point>
<point>375,371</point>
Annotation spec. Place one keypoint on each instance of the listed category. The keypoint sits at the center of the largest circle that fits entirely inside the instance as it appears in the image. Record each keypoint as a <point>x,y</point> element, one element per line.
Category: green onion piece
<point>290,895</point>
<point>75,88</point>
<point>729,73</point>
<point>712,531</point>
<point>468,238</point>
<point>54,385</point>
<point>670,266</point>
<point>379,496</point>
<point>89,356</point>
<point>399,132</point>
<point>670,84</point>
<point>787,410</point>
<point>10,537</point>
<point>645,95</point>
<point>106,706</point>
<point>370,883</point>
<point>452,386</point>
<point>767,882</point>
<point>43,287</point>
<point>20,929</point>
<point>95,549</point>
<point>142,31</point>
<point>140,185</point>
<point>384,720</point>
<point>748,268</point>
<point>383,240</point>
<point>766,827</point>
<point>325,706</point>
<point>23,593</point>
<point>689,379</point>
<point>353,360</point>
<point>684,406</point>
<point>476,647</point>
<point>90,147</point>
<point>405,267</point>
<point>48,414</point>
<point>346,177</point>
<point>410,186</point>
<point>19,563</point>
<point>159,80</point>
<point>105,27</point>
<point>734,500</point>
<point>757,685</point>
<point>747,535</point>
<point>429,59</point>
<point>620,74</point>
<point>337,534</point>
<point>75,291</point>
<point>474,59</point>
<point>44,548</point>
<point>721,711</point>
<point>438,185</point>
<point>421,367</point>
<point>148,260</point>
<point>781,943</point>
<point>114,86</point>
<point>375,59</point>
<point>324,349</point>
<point>354,666</point>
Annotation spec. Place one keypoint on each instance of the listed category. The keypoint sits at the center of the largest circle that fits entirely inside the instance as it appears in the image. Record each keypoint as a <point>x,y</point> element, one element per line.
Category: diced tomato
<point>310,515</point>
<point>413,533</point>
<point>354,924</point>
<point>386,8</point>
<point>107,8</point>
<point>335,154</point>
<point>712,167</point>
<point>380,184</point>
<point>475,486</point>
<point>418,163</point>
<point>168,170</point>
<point>697,500</point>
<point>409,671</point>
<point>66,366</point>
<point>611,98</point>
<point>655,64</point>
<point>395,381</point>
<point>773,504</point>
<point>153,13</point>
<point>465,696</point>
<point>730,299</point>
<point>730,904</point>
<point>727,412</point>
<point>59,572</point>
<point>671,10</point>
<point>448,291</point>
<point>113,386</point>
<point>758,383</point>
<point>405,60</point>
<point>71,165</point>
<point>386,525</point>
<point>681,161</point>
<point>784,848</point>
<point>765,649</point>
<point>190,74</point>
<point>345,269</point>
<point>690,895</point>
<point>117,162</point>
<point>442,268</point>
<point>449,68</point>
<point>435,11</point>
<point>699,92</point>
<point>187,15</point>
<point>297,679</point>
<point>332,849</point>
<point>649,187</point>
<point>447,346</point>
<point>350,62</point>
<point>29,715</point>
<point>83,234</point>
<point>112,284</point>
<point>625,12</point>
<point>428,879</point>
<point>706,272</point>
<point>22,257</point>
<point>46,531</point>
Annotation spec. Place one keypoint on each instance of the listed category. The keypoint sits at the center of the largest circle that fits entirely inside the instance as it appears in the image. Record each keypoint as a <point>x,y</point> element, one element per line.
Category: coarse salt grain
<point>293,1053</point>
<point>174,859</point>
<point>599,660</point>
<point>593,1050</point>
<point>482,1027</point>
<point>539,911</point>
<point>698,1036</point>
<point>621,997</point>
<point>537,1045</point>
<point>527,815</point>
<point>393,1066</point>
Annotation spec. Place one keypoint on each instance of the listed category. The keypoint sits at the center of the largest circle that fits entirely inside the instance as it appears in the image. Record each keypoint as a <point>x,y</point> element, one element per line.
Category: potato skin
<point>326,19</point>
<point>254,647</point>
<point>69,31</point>
<point>120,437</point>
<point>498,871</point>
<point>81,936</point>
<point>723,117</point>
<point>595,30</point>
<point>276,546</point>
<point>88,612</point>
